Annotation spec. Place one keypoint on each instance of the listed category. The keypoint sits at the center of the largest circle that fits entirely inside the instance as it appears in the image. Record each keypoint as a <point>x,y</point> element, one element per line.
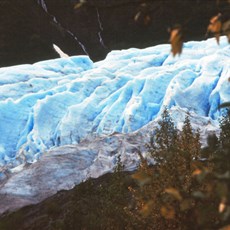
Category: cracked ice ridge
<point>62,101</point>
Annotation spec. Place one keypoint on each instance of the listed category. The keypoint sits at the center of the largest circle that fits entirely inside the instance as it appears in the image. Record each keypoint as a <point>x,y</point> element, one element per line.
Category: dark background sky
<point>27,31</point>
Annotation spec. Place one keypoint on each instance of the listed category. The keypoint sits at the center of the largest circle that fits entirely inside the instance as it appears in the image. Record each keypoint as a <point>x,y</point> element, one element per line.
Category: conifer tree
<point>224,140</point>
<point>164,197</point>
<point>164,138</point>
<point>214,179</point>
<point>189,149</point>
<point>223,156</point>
<point>225,129</point>
<point>221,170</point>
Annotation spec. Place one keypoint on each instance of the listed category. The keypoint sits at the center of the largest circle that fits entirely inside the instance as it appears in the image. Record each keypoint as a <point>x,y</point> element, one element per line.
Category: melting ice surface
<point>62,101</point>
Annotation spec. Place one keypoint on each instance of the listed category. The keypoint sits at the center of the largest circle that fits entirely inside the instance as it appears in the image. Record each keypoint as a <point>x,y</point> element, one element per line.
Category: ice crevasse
<point>62,101</point>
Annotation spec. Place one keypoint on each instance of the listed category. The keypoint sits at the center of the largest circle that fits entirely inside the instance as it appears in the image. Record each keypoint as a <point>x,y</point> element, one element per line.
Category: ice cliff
<point>51,109</point>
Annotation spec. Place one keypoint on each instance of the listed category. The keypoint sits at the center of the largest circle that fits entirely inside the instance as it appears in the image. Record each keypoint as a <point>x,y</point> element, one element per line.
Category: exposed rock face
<point>27,31</point>
<point>64,167</point>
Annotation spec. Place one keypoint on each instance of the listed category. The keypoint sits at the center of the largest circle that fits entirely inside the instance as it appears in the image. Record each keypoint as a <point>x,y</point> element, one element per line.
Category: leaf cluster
<point>184,190</point>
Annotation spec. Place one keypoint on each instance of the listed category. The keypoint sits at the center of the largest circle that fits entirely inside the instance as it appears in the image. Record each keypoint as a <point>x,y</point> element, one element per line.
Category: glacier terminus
<point>68,118</point>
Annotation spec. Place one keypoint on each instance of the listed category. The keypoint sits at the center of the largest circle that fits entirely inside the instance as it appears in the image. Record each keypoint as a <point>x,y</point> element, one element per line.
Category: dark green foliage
<point>181,191</point>
<point>164,197</point>
<point>224,105</point>
<point>224,143</point>
<point>215,203</point>
<point>225,130</point>
<point>163,141</point>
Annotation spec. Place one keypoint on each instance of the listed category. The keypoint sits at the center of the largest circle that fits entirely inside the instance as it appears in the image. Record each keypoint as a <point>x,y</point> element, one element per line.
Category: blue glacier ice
<point>62,101</point>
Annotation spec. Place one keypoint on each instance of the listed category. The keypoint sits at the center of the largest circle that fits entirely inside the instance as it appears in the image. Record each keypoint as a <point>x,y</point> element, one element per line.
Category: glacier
<point>64,120</point>
<point>62,101</point>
